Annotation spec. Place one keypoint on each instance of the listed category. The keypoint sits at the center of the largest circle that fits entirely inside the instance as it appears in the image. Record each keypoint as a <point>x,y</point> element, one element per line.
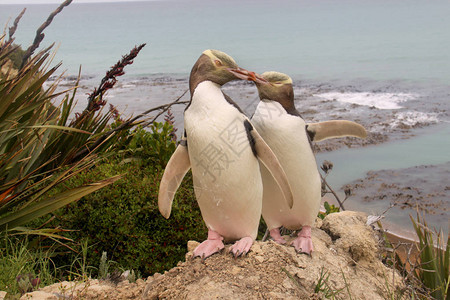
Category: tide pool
<point>431,146</point>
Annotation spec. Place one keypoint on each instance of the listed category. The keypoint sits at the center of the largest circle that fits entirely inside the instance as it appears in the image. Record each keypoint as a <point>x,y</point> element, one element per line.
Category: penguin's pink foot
<point>276,236</point>
<point>212,245</point>
<point>303,242</point>
<point>242,246</point>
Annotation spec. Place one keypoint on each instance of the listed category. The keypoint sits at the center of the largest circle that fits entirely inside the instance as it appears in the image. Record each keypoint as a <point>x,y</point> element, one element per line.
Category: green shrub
<point>154,147</point>
<point>123,219</point>
<point>329,209</point>
<point>17,56</point>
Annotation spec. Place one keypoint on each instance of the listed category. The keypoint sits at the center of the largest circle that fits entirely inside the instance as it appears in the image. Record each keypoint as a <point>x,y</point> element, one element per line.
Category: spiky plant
<point>433,271</point>
<point>28,125</point>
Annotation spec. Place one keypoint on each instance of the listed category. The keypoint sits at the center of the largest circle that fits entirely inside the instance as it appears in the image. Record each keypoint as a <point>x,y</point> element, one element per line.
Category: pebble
<point>2,295</point>
<point>259,258</point>
<point>191,245</point>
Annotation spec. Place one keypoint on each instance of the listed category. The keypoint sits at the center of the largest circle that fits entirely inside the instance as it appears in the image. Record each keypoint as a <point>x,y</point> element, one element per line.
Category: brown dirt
<point>346,257</point>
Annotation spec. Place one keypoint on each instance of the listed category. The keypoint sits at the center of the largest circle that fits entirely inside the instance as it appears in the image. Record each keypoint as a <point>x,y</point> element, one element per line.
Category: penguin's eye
<point>218,63</point>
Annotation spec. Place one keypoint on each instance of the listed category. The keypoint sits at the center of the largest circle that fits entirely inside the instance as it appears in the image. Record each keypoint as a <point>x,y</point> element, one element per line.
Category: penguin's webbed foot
<point>276,236</point>
<point>303,242</point>
<point>212,245</point>
<point>242,246</point>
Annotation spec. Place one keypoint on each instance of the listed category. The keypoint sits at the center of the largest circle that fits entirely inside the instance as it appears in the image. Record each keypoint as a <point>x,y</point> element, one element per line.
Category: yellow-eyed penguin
<point>287,134</point>
<point>222,148</point>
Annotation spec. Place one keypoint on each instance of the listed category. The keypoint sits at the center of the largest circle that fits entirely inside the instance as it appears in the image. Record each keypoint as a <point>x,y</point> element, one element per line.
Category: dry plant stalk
<point>39,33</point>
<point>110,80</point>
<point>326,168</point>
<point>95,99</point>
<point>13,28</point>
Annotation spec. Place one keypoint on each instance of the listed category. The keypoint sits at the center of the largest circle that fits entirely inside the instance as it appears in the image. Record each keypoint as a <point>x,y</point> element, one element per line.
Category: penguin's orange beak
<point>259,80</point>
<point>241,73</point>
<point>247,75</point>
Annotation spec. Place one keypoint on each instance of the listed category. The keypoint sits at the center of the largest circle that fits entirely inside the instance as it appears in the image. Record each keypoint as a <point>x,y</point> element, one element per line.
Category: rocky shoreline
<point>382,125</point>
<point>432,197</point>
<point>346,262</point>
<point>420,189</point>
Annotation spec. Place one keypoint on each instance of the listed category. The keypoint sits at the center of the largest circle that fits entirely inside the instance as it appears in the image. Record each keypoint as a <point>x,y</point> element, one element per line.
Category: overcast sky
<point>58,1</point>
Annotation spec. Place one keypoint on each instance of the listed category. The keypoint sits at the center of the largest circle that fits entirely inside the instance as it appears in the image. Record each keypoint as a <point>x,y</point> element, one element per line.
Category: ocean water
<point>389,56</point>
<point>325,39</point>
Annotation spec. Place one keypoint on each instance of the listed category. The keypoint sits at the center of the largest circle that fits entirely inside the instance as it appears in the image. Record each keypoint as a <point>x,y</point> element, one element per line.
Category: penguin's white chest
<point>226,174</point>
<point>286,135</point>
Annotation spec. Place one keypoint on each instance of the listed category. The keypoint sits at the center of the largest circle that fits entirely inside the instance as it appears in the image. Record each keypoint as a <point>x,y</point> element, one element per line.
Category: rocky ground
<point>346,263</point>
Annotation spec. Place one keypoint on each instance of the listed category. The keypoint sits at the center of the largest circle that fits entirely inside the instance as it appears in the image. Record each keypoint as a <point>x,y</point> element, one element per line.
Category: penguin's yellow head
<point>216,66</point>
<point>220,59</point>
<point>274,86</point>
<point>276,78</point>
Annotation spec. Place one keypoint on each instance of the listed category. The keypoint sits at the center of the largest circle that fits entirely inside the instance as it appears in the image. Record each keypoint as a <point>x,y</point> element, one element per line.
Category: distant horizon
<point>61,1</point>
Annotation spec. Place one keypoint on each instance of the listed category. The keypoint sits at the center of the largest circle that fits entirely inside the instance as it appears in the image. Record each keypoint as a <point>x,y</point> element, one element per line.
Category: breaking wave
<point>378,100</point>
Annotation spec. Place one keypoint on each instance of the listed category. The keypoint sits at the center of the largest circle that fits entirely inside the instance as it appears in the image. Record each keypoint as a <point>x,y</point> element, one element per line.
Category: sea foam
<point>413,118</point>
<point>378,100</point>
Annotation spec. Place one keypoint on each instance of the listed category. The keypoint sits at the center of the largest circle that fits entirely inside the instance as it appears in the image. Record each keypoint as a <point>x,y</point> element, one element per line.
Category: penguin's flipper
<point>335,128</point>
<point>177,167</point>
<point>269,159</point>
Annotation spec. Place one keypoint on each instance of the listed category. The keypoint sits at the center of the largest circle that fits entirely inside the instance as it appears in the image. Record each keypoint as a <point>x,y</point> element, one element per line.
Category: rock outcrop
<point>345,263</point>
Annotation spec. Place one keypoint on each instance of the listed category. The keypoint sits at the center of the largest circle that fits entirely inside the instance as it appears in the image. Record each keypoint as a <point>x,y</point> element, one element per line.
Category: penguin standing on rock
<point>222,148</point>
<point>287,134</point>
